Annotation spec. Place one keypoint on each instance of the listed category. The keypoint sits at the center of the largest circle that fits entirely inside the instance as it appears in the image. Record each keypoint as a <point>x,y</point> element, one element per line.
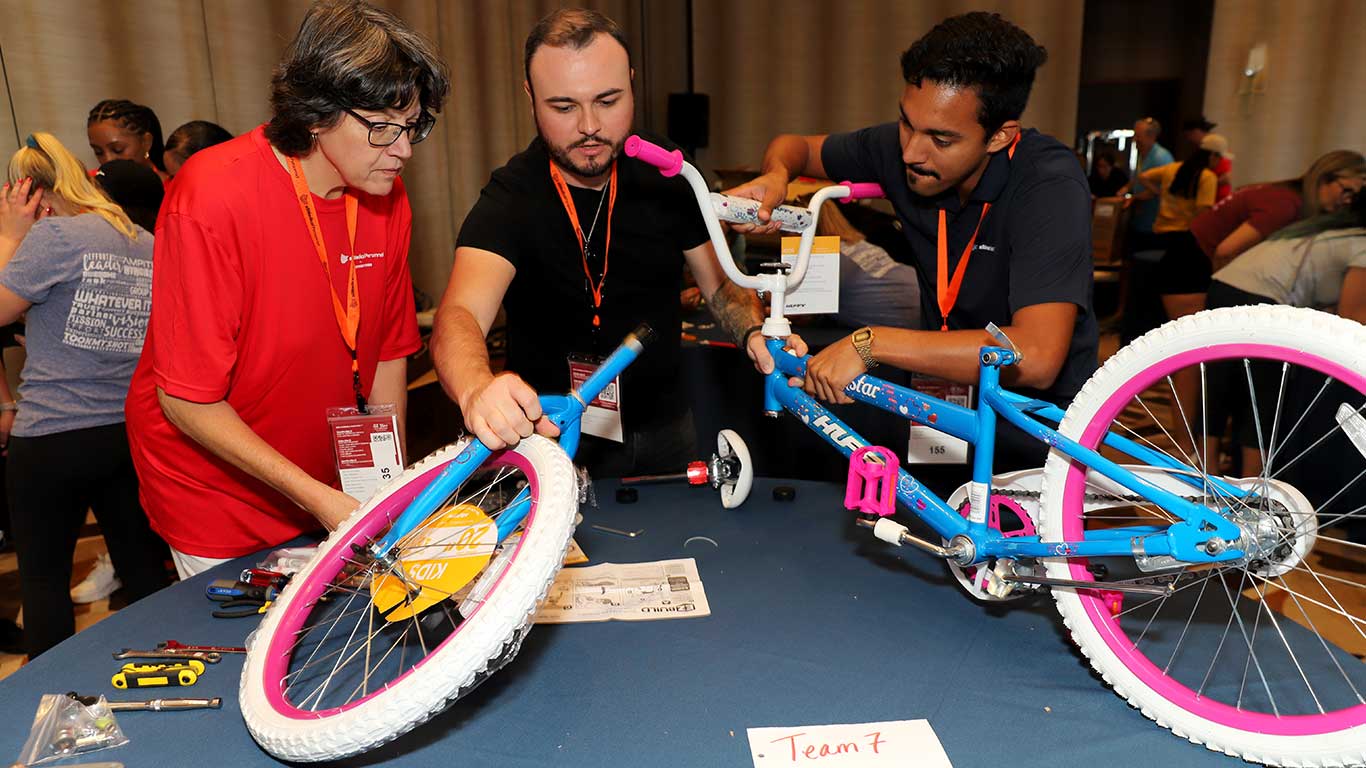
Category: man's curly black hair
<point>982,51</point>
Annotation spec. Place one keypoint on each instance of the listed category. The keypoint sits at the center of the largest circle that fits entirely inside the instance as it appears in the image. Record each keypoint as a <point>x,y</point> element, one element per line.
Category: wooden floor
<point>87,549</point>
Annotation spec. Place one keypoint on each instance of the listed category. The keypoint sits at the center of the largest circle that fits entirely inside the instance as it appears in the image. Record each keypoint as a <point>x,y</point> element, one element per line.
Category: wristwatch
<point>863,344</point>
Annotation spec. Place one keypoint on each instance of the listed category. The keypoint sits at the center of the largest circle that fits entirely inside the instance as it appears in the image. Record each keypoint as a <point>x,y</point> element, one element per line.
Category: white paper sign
<point>819,291</point>
<point>928,445</point>
<point>900,743</point>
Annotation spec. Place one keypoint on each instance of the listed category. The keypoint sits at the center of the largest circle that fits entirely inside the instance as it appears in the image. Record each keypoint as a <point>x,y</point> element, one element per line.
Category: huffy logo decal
<point>837,434</point>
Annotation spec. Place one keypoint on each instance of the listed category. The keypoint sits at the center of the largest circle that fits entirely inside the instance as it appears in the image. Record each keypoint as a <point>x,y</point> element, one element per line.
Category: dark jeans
<point>662,448</point>
<point>51,481</point>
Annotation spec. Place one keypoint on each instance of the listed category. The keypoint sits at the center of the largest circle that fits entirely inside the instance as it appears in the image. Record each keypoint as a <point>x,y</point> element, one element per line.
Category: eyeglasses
<point>383,134</point>
<point>1350,188</point>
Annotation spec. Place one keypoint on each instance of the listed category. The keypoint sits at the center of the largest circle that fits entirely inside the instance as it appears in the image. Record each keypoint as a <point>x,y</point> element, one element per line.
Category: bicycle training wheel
<point>1259,657</point>
<point>355,653</point>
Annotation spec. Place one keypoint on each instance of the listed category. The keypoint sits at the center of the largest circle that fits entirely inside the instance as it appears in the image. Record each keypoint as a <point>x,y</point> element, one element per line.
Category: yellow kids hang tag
<point>443,555</point>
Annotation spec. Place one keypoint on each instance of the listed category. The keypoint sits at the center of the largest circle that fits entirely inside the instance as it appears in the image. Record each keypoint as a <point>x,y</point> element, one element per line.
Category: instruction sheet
<point>666,589</point>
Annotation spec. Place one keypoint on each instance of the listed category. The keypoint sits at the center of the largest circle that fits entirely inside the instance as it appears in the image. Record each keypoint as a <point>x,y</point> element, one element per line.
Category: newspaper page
<point>666,589</point>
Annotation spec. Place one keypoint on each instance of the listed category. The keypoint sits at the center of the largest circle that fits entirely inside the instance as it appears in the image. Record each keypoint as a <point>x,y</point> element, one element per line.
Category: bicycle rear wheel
<point>1258,657</point>
<point>357,651</point>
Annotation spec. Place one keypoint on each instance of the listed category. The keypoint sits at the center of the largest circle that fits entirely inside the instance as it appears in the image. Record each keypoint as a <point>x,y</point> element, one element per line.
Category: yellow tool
<point>157,675</point>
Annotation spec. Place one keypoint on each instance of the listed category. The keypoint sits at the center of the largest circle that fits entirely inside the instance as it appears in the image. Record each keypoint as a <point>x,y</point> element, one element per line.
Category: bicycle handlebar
<point>716,208</point>
<point>668,163</point>
<point>859,190</point>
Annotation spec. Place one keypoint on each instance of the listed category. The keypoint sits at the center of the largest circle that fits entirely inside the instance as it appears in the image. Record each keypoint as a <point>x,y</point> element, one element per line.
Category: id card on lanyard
<point>927,445</point>
<point>603,416</point>
<point>364,438</point>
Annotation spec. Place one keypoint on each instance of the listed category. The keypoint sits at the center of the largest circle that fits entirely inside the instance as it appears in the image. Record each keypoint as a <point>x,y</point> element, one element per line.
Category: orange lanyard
<point>348,317</point>
<point>563,189</point>
<point>948,291</point>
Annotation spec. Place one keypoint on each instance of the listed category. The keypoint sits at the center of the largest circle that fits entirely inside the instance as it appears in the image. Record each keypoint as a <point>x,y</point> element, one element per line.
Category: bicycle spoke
<point>1270,614</point>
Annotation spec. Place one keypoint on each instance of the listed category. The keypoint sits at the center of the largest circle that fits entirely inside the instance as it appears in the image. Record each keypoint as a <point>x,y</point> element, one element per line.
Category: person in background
<point>1186,190</point>
<point>136,188</point>
<point>1318,263</point>
<point>248,344</point>
<point>189,139</point>
<point>118,129</point>
<point>1150,155</point>
<point>1107,178</point>
<point>82,271</point>
<point>1195,132</point>
<point>138,191</point>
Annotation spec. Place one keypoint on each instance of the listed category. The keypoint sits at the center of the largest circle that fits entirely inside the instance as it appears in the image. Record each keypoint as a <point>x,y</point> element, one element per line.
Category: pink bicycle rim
<point>1100,617</point>
<point>276,665</point>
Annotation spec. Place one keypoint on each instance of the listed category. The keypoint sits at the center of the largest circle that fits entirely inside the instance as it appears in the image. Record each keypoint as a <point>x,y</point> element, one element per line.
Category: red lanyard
<point>563,189</point>
<point>348,318</point>
<point>948,291</point>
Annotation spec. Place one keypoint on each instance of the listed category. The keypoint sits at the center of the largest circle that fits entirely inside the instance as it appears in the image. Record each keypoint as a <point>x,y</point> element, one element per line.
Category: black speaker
<point>689,115</point>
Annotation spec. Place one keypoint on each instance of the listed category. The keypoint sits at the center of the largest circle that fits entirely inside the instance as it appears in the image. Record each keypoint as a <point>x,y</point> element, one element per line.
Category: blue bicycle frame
<point>1184,540</point>
<point>564,411</point>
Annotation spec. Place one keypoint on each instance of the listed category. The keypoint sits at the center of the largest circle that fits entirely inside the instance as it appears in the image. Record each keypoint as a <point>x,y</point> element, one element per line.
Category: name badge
<point>366,448</point>
<point>603,417</point>
<point>928,445</point>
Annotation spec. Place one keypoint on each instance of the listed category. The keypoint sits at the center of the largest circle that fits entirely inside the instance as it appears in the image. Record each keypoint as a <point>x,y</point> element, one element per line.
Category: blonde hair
<point>1340,163</point>
<point>53,168</point>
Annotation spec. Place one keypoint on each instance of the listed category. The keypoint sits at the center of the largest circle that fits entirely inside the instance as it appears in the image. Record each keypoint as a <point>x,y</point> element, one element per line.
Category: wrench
<point>208,657</point>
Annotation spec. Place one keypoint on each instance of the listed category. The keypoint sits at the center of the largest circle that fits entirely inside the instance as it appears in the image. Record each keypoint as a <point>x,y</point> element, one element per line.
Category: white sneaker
<point>100,584</point>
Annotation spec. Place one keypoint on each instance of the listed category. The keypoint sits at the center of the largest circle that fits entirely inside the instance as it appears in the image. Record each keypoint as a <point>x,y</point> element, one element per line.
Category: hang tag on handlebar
<point>819,290</point>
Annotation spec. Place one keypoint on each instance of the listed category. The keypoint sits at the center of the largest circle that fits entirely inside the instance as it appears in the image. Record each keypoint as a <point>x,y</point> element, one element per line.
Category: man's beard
<point>591,169</point>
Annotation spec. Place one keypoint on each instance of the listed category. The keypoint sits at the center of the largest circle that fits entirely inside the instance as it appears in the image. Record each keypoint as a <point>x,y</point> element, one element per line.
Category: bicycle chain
<point>1132,497</point>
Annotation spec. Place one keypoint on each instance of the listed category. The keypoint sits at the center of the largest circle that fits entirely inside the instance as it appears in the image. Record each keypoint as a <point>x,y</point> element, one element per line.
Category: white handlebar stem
<point>777,285</point>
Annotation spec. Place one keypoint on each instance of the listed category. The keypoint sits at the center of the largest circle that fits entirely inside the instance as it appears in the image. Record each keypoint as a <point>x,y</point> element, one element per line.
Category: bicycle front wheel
<point>357,651</point>
<point>1258,657</point>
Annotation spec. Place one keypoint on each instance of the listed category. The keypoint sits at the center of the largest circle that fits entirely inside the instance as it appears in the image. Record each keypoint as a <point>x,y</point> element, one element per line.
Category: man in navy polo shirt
<point>998,218</point>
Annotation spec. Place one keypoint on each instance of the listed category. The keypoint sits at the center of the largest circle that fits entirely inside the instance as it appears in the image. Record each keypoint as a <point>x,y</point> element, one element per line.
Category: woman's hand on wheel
<point>332,507</point>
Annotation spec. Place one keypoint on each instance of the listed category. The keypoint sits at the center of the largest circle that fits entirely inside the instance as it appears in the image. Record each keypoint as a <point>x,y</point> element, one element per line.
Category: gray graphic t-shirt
<point>91,291</point>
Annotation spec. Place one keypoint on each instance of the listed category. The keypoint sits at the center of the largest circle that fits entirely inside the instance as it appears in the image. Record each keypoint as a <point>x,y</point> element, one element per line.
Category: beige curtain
<point>1311,97</point>
<point>797,65</point>
<point>212,60</point>
<point>813,66</point>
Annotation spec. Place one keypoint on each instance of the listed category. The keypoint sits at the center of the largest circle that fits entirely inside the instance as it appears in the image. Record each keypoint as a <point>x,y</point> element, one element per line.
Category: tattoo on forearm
<point>736,309</point>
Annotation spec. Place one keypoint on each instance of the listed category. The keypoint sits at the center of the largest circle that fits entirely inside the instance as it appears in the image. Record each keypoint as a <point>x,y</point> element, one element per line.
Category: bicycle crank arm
<point>1114,586</point>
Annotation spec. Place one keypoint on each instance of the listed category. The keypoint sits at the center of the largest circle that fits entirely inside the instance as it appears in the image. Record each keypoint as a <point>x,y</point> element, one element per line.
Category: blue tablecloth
<point>813,622</point>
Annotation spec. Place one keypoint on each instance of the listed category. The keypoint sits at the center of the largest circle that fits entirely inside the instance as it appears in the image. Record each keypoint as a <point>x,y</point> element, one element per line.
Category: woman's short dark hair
<point>350,55</point>
<point>196,135</point>
<point>982,51</point>
<point>572,28</point>
<point>134,118</point>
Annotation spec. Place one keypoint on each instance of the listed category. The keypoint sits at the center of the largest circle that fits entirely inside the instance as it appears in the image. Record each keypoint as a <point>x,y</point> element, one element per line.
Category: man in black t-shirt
<point>580,246</point>
<point>1001,212</point>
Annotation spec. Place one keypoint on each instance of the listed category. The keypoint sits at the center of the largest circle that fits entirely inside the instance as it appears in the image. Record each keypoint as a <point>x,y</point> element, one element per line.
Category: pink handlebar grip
<point>861,190</point>
<point>668,163</point>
